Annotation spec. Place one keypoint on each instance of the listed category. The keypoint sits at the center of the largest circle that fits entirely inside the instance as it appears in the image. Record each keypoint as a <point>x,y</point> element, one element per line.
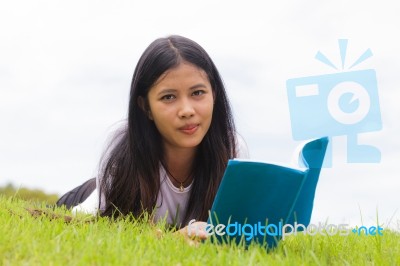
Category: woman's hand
<point>194,232</point>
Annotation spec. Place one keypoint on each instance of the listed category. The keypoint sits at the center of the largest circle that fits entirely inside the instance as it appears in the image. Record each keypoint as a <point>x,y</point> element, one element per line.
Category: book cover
<point>256,199</point>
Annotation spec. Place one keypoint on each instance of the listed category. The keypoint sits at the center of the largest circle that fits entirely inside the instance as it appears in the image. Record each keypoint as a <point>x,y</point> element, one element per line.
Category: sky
<point>66,68</point>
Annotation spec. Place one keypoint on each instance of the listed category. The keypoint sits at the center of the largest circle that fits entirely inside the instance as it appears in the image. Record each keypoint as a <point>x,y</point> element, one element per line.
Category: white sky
<point>66,67</point>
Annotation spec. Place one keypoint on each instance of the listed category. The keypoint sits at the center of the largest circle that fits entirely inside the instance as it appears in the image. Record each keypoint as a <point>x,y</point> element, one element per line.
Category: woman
<point>180,134</point>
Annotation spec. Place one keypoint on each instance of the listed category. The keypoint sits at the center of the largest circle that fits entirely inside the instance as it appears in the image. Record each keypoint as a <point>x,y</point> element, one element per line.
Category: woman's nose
<point>186,109</point>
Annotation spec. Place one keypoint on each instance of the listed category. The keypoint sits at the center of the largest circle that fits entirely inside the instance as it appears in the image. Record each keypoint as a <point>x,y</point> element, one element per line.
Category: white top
<point>171,202</point>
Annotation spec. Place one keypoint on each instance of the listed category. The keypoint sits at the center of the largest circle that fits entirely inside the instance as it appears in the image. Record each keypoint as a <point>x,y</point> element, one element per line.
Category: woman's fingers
<point>196,230</point>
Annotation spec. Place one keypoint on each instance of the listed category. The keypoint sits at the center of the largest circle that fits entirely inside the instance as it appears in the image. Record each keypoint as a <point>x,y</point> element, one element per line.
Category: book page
<point>296,160</point>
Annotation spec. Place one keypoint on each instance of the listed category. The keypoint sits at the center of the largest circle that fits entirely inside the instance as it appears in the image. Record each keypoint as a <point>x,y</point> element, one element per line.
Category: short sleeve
<point>90,205</point>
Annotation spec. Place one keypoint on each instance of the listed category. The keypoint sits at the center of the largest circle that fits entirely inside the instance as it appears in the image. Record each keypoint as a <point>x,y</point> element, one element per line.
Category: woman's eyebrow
<point>200,85</point>
<point>164,91</point>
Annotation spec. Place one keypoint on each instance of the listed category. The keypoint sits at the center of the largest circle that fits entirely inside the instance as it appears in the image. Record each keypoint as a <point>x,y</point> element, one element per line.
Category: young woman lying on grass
<point>180,134</point>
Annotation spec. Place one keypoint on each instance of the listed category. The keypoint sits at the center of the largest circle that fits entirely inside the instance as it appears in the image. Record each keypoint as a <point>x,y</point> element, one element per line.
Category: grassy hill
<point>28,194</point>
<point>31,234</point>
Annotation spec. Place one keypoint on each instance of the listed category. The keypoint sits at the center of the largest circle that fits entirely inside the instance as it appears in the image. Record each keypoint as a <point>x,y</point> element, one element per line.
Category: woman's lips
<point>189,129</point>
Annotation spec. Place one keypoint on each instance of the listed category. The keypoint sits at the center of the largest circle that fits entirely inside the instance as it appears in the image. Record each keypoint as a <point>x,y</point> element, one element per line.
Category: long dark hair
<point>129,180</point>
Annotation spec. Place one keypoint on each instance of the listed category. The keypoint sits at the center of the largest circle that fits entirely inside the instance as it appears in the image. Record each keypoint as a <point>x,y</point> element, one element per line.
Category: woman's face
<point>181,106</point>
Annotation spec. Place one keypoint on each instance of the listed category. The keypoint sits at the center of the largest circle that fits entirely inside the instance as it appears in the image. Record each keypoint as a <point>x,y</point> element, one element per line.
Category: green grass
<point>44,237</point>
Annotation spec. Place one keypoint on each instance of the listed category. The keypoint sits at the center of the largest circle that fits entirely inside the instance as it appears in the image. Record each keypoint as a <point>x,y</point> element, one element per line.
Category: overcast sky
<point>66,67</point>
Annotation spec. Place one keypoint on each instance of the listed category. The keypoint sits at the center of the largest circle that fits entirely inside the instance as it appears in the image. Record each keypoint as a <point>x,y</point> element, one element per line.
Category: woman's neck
<point>179,162</point>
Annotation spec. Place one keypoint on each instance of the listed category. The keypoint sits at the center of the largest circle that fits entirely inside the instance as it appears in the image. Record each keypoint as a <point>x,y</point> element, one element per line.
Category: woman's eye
<point>168,97</point>
<point>198,93</point>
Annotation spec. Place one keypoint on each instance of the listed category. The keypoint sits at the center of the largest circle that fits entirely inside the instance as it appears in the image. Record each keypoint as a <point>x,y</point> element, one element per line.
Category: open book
<point>256,200</point>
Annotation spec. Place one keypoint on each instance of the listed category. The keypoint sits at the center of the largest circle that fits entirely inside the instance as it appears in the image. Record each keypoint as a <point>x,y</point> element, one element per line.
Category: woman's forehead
<point>184,73</point>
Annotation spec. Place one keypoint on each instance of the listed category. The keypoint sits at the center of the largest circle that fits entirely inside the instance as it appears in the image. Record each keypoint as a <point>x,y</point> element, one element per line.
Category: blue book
<point>257,200</point>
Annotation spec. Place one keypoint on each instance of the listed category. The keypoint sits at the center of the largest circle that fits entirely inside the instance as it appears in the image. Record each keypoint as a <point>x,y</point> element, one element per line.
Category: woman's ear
<point>144,106</point>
